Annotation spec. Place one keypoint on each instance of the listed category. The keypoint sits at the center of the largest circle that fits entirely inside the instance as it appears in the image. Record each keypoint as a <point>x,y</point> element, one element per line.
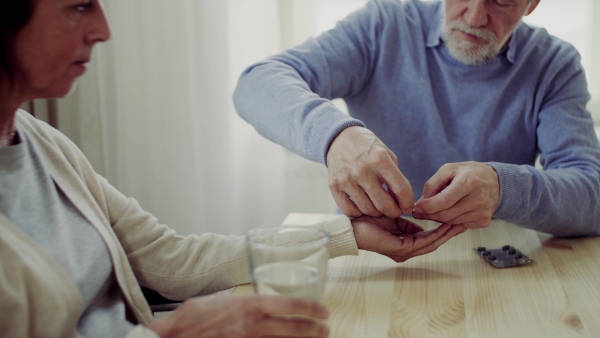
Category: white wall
<point>573,21</point>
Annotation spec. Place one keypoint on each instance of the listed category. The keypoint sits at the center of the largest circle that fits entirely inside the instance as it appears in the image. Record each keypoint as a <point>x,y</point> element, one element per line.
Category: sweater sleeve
<point>287,97</point>
<point>561,199</point>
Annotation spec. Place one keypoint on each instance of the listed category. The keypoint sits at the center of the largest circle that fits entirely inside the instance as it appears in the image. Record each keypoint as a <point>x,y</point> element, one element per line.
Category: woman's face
<point>54,47</point>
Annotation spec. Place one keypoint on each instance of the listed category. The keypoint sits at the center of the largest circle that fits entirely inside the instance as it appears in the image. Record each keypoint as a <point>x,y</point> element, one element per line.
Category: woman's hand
<point>244,316</point>
<point>399,238</point>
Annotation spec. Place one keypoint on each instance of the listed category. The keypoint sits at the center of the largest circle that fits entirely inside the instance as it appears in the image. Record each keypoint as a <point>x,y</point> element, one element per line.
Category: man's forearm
<point>562,202</point>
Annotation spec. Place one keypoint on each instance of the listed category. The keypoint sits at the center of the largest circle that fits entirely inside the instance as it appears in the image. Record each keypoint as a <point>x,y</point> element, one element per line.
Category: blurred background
<point>154,113</point>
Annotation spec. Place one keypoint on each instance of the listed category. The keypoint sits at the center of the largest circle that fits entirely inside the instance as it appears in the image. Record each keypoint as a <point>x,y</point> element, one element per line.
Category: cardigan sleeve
<point>180,267</point>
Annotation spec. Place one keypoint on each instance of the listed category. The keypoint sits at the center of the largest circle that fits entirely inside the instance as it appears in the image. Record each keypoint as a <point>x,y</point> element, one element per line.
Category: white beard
<point>468,52</point>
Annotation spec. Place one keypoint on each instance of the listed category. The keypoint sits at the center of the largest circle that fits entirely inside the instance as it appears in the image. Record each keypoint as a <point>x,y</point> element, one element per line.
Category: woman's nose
<point>99,29</point>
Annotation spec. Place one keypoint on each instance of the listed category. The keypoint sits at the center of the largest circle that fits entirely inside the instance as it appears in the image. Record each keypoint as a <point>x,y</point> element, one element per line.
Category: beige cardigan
<point>38,298</point>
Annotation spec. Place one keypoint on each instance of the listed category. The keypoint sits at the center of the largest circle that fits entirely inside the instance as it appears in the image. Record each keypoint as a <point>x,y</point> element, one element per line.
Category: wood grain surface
<point>452,292</point>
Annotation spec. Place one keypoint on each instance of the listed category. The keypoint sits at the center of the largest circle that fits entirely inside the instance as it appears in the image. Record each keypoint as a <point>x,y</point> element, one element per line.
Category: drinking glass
<point>288,259</point>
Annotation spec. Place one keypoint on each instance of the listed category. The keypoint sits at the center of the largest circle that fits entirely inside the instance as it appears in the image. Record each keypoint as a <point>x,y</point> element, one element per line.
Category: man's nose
<point>476,14</point>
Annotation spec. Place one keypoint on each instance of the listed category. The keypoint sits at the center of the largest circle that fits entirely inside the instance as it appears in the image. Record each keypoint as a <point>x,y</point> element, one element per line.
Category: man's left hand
<point>460,193</point>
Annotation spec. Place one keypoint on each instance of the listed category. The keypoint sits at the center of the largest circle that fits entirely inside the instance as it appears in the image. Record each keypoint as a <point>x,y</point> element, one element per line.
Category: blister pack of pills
<point>504,257</point>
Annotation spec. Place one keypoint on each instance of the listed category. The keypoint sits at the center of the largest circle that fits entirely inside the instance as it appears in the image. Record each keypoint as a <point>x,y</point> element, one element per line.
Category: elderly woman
<point>74,250</point>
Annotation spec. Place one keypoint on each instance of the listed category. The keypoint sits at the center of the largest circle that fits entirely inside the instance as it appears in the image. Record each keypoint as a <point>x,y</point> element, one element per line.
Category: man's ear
<point>532,6</point>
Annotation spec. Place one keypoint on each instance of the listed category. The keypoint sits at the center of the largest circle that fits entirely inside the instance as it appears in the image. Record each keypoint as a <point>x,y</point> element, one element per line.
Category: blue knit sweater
<point>388,62</point>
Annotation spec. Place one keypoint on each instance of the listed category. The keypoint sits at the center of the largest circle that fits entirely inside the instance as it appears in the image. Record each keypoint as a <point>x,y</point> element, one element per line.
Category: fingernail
<point>324,313</point>
<point>417,210</point>
<point>324,331</point>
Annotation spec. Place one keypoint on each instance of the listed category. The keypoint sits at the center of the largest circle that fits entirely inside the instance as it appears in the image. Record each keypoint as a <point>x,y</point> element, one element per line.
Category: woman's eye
<point>81,8</point>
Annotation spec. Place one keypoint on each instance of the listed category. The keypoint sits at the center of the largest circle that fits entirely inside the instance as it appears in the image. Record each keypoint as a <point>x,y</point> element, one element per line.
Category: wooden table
<point>452,292</point>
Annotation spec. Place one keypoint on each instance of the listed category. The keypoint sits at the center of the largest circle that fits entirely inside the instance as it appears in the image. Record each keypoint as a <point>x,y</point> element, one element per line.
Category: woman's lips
<point>81,66</point>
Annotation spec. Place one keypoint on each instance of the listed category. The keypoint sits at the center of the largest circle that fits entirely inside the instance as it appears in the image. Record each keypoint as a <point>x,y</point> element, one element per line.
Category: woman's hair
<point>14,15</point>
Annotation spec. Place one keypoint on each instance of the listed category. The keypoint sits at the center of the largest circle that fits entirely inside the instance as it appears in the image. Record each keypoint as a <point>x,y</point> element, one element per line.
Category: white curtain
<point>154,115</point>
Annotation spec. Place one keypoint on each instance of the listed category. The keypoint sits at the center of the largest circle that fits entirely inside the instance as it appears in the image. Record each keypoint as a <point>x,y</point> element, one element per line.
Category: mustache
<point>478,32</point>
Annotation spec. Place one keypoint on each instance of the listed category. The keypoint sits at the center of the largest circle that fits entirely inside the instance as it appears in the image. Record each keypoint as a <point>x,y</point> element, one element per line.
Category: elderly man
<point>459,98</point>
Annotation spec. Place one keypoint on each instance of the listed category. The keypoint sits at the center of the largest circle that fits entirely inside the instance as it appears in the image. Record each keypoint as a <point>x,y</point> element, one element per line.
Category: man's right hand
<point>358,163</point>
<point>244,316</point>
